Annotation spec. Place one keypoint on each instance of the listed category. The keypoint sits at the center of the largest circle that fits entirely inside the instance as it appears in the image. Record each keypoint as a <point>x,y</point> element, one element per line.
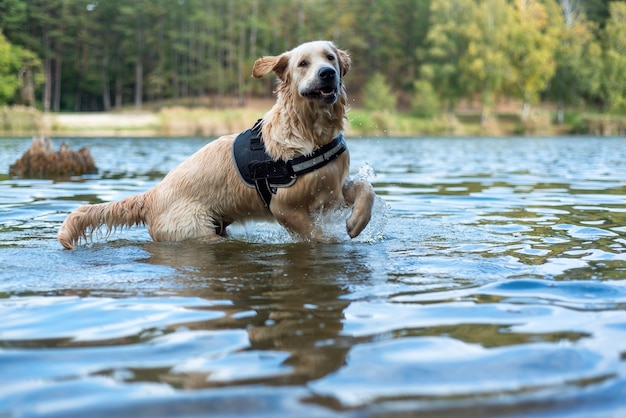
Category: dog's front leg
<point>360,195</point>
<point>298,222</point>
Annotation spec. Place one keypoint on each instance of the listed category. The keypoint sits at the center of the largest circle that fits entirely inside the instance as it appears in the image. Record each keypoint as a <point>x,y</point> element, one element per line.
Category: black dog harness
<point>259,170</point>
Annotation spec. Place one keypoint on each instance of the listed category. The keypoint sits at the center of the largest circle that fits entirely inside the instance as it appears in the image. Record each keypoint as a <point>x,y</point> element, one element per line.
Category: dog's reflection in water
<point>288,298</point>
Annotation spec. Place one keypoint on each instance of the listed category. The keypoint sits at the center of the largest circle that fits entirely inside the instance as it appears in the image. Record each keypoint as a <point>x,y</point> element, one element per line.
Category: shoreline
<point>208,122</point>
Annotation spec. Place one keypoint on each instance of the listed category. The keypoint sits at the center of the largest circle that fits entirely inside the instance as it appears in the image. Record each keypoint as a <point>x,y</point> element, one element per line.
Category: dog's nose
<point>327,73</point>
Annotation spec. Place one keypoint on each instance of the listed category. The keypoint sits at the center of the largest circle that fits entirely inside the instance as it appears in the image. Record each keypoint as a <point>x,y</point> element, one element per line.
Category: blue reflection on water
<point>491,282</point>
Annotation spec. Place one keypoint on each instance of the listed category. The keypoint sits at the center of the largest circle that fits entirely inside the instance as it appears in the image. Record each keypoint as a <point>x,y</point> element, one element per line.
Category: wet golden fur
<point>204,194</point>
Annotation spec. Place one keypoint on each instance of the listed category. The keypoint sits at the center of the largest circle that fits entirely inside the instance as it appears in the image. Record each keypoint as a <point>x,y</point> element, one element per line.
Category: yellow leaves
<point>491,48</point>
<point>616,27</point>
<point>532,13</point>
<point>615,58</point>
<point>534,48</point>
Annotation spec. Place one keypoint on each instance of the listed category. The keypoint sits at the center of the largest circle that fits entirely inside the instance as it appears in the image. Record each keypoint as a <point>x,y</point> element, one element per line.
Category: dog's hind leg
<point>182,221</point>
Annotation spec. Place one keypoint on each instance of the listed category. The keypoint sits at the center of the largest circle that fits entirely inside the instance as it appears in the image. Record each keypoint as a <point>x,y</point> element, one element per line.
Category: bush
<point>425,103</point>
<point>377,95</point>
<point>606,125</point>
<point>537,122</point>
<point>362,123</point>
<point>576,123</point>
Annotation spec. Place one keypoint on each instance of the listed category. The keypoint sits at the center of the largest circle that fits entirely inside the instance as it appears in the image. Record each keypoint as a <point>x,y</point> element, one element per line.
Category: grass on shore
<point>178,121</point>
<point>20,121</point>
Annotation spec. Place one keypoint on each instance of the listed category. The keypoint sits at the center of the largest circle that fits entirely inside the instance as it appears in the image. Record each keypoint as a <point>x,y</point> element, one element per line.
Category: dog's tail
<point>89,218</point>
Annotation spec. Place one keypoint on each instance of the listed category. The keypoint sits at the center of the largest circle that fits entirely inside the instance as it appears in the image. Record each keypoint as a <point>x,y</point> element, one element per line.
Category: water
<point>491,283</point>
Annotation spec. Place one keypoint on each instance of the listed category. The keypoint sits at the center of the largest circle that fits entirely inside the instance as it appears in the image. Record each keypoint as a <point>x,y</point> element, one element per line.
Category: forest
<point>423,57</point>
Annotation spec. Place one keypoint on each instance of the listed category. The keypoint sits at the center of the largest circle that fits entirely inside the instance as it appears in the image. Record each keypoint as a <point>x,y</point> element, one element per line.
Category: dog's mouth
<point>325,94</point>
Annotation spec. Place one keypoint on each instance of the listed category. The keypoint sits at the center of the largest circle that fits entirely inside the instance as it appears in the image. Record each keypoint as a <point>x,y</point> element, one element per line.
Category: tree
<point>446,43</point>
<point>597,11</point>
<point>12,16</point>
<point>97,54</point>
<point>377,94</point>
<point>29,75</point>
<point>532,47</point>
<point>486,68</point>
<point>9,66</point>
<point>614,85</point>
<point>18,73</point>
<point>425,101</point>
<point>578,58</point>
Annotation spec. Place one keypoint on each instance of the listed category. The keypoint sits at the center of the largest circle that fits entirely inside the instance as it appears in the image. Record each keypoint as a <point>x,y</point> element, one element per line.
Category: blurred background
<point>419,66</point>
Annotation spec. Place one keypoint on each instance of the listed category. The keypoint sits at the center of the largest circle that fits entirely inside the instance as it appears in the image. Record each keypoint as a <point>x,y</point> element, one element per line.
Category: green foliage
<point>486,68</point>
<point>377,94</point>
<point>425,103</point>
<point>375,123</point>
<point>445,45</point>
<point>9,67</point>
<point>12,14</point>
<point>578,57</point>
<point>531,48</point>
<point>95,55</point>
<point>615,58</point>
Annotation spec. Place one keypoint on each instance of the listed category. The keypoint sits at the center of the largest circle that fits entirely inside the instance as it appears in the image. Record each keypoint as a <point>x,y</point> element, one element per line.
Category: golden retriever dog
<point>205,193</point>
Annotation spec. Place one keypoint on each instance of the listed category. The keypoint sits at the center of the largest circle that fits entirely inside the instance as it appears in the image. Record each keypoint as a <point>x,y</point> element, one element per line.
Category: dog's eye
<point>303,63</point>
<point>330,57</point>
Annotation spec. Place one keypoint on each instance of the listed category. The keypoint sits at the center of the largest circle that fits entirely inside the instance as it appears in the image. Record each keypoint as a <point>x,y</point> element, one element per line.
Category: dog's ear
<point>345,63</point>
<point>265,65</point>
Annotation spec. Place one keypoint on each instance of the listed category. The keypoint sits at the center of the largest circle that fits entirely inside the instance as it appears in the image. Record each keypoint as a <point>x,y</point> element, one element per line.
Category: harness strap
<point>259,170</point>
<point>319,158</point>
<point>265,191</point>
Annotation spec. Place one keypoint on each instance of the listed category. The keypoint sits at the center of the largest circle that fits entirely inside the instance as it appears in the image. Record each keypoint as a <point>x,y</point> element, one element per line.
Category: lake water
<point>490,283</point>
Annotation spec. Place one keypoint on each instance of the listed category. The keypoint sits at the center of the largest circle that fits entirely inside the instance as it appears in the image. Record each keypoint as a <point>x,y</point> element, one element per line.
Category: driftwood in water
<point>41,161</point>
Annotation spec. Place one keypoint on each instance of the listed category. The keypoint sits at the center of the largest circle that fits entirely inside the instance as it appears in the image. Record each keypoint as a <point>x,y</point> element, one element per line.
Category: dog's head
<point>313,69</point>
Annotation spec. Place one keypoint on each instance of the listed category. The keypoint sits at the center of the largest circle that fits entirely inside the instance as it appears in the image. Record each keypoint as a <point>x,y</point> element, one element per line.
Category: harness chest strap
<point>257,169</point>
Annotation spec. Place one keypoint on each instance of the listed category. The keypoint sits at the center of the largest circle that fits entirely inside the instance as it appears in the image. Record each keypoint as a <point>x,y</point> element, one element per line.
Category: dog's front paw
<point>358,220</point>
<point>356,226</point>
<point>360,195</point>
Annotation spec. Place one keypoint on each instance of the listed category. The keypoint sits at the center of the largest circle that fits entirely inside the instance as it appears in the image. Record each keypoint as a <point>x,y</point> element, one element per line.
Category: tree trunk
<point>485,115</point>
<point>241,66</point>
<point>57,83</point>
<point>78,99</point>
<point>106,93</point>
<point>254,29</point>
<point>138,83</point>
<point>139,37</point>
<point>118,92</point>
<point>47,64</point>
<point>27,86</point>
<point>560,113</point>
<point>487,103</point>
<point>526,106</point>
<point>525,110</point>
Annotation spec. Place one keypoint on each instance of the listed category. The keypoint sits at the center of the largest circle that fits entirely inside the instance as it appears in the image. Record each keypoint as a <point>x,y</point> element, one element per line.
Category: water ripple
<point>491,282</point>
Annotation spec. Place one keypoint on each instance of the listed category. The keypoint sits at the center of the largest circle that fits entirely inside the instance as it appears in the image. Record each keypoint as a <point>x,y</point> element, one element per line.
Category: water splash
<point>374,232</point>
<point>332,223</point>
<point>259,232</point>
<point>366,173</point>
